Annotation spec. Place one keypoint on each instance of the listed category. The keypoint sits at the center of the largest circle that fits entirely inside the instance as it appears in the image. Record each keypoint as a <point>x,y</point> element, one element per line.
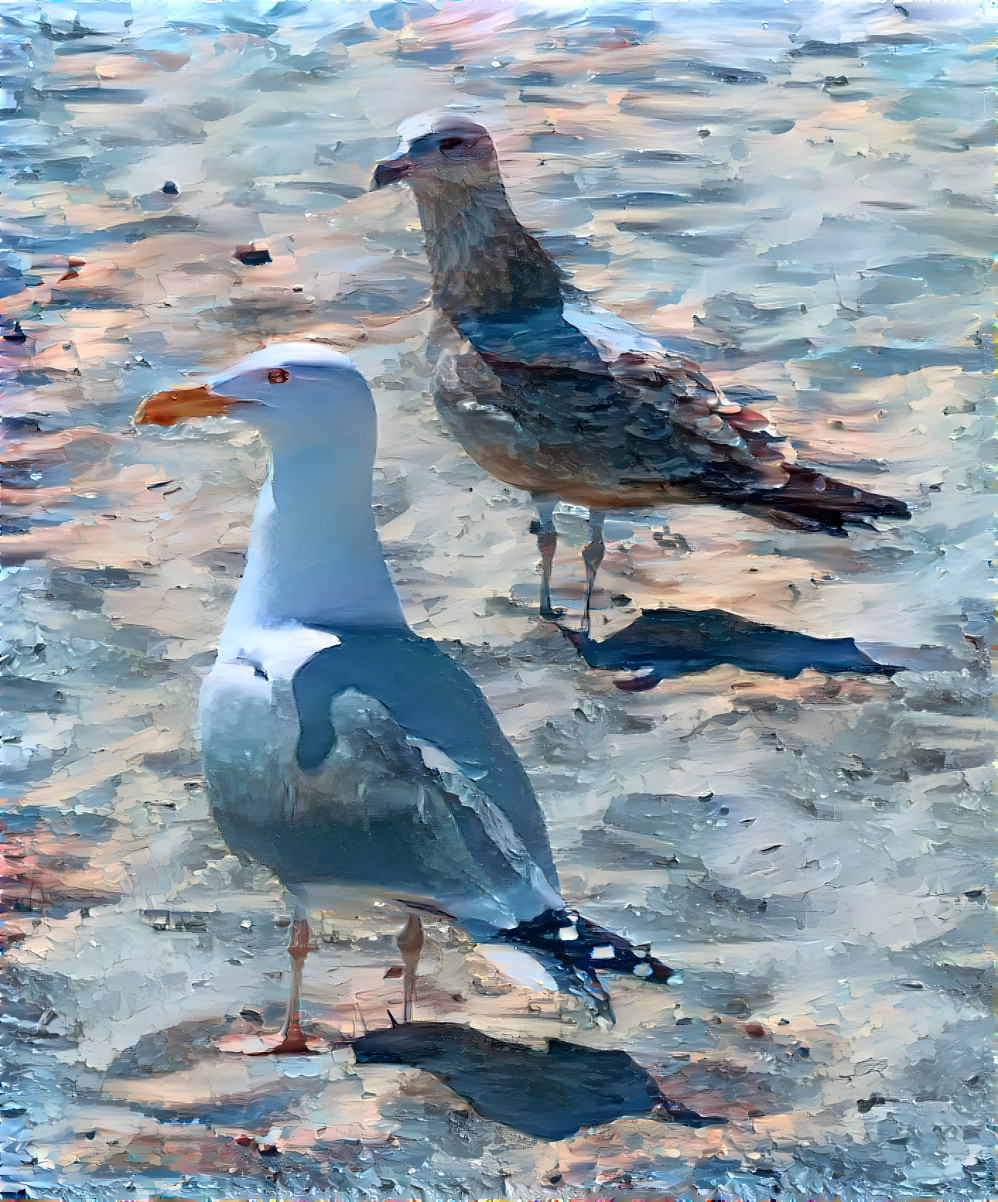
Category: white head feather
<point>291,354</point>
<point>438,121</point>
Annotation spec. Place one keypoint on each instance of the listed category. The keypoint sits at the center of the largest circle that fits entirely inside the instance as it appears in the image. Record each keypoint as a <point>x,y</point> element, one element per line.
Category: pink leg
<point>592,557</point>
<point>293,1041</point>
<point>547,545</point>
<point>410,944</point>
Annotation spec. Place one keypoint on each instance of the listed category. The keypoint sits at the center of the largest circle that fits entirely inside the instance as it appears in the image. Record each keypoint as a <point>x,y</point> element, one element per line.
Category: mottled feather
<point>552,394</point>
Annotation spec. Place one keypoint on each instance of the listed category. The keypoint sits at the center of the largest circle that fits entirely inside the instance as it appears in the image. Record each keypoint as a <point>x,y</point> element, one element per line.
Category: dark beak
<point>390,172</point>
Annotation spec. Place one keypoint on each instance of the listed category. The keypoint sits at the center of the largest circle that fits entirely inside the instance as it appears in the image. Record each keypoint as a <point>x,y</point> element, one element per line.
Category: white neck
<point>314,556</point>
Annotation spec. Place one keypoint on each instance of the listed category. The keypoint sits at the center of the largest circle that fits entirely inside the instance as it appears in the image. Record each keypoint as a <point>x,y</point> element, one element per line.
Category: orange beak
<point>183,404</point>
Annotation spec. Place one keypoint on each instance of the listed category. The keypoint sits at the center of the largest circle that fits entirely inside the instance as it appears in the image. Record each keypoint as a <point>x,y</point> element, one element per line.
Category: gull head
<point>301,385</point>
<point>440,148</point>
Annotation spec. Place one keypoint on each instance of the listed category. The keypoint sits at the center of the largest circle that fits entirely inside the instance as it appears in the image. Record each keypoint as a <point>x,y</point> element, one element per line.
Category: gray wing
<point>381,810</point>
<point>605,402</point>
<point>433,701</point>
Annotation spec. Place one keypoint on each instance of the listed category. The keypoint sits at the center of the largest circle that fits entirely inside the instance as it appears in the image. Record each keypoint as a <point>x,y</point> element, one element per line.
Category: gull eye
<point>279,376</point>
<point>448,144</point>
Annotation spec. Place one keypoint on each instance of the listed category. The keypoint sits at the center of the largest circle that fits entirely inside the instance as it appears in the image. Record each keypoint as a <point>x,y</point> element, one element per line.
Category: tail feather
<point>577,948</point>
<point>811,501</point>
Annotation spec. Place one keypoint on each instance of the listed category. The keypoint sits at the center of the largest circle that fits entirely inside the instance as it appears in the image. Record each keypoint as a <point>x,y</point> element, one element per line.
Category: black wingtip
<point>578,944</point>
<point>892,507</point>
<point>813,501</point>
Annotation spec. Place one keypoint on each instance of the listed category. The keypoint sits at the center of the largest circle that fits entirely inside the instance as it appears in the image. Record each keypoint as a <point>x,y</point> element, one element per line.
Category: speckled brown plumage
<point>551,394</point>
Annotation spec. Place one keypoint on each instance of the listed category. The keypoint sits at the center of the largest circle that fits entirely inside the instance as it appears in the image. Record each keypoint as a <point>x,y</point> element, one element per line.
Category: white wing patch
<point>279,652</point>
<point>611,335</point>
<point>518,966</point>
<point>439,761</point>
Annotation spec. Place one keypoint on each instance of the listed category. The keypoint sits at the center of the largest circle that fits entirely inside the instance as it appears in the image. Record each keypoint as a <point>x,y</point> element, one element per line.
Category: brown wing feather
<point>718,429</point>
<point>635,430</point>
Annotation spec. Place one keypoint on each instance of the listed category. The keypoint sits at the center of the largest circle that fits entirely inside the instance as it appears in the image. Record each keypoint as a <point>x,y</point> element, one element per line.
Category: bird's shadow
<point>548,1093</point>
<point>663,644</point>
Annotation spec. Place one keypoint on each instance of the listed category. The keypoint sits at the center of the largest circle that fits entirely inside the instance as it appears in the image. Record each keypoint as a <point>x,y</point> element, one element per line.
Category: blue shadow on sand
<point>549,1093</point>
<point>663,644</point>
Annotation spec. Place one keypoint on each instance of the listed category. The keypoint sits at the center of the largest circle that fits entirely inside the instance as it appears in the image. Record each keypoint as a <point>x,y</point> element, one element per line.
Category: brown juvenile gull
<point>552,394</point>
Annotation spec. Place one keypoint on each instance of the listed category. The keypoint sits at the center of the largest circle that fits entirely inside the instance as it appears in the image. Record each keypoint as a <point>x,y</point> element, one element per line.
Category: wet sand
<point>795,195</point>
